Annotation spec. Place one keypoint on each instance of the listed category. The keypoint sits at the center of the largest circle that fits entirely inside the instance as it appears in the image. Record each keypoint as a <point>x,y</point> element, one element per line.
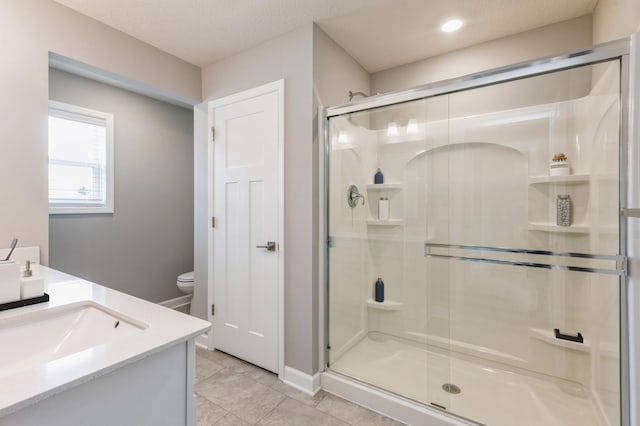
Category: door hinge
<point>330,241</point>
<point>213,310</point>
<point>213,133</point>
<point>213,221</point>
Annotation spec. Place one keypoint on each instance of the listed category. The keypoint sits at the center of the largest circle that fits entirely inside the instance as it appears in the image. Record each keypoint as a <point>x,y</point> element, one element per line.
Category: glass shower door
<point>377,232</point>
<point>533,249</point>
<point>496,234</point>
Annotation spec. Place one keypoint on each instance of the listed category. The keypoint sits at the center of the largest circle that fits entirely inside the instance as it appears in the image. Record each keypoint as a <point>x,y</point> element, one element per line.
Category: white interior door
<point>247,236</point>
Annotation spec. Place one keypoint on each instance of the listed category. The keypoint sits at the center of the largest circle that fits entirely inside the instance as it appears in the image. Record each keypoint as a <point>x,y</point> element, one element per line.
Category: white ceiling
<point>378,33</point>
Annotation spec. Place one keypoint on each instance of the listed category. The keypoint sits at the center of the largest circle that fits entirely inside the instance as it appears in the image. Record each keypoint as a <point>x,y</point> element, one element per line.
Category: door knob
<point>271,246</point>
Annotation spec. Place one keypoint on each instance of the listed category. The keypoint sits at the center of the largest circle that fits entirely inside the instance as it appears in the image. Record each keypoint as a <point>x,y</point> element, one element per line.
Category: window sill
<point>80,210</point>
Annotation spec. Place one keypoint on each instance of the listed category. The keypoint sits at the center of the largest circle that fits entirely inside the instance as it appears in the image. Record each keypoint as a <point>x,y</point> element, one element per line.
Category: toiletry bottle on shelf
<point>383,208</point>
<point>379,290</point>
<point>563,214</point>
<point>379,177</point>
<point>559,165</point>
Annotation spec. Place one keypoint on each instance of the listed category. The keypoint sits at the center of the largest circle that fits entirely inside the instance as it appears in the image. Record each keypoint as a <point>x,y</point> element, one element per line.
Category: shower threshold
<point>483,392</point>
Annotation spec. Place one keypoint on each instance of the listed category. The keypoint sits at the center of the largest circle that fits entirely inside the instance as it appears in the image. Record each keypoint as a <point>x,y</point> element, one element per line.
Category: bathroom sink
<point>35,338</point>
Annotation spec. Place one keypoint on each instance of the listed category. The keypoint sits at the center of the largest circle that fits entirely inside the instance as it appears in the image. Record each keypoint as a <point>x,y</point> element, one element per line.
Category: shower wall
<point>471,168</point>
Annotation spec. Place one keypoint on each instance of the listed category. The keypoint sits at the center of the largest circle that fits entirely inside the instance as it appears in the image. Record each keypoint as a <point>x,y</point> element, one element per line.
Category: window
<point>80,160</point>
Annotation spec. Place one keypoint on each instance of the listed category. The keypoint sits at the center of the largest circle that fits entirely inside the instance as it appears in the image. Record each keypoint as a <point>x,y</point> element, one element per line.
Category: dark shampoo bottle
<point>378,178</point>
<point>379,290</point>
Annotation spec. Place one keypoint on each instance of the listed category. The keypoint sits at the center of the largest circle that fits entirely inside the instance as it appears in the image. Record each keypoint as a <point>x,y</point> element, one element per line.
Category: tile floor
<point>231,392</point>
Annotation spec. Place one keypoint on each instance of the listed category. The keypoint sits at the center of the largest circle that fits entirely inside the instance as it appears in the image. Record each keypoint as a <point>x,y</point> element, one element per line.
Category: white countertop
<point>164,328</point>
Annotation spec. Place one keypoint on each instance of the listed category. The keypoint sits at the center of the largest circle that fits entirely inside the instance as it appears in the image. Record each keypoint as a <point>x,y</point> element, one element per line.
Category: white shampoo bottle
<point>383,208</point>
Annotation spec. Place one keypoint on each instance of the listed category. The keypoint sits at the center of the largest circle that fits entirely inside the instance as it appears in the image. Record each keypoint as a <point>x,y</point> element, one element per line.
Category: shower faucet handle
<point>353,196</point>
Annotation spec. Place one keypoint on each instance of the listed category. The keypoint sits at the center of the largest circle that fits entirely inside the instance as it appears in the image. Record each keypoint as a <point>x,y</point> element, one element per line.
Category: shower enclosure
<point>503,252</point>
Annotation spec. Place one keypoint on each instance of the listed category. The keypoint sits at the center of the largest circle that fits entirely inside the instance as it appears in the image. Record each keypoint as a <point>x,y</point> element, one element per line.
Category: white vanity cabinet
<point>68,377</point>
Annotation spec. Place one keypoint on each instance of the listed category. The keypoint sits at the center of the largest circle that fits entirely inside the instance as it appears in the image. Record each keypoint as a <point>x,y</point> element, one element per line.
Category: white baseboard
<point>203,341</point>
<point>301,381</point>
<point>177,302</point>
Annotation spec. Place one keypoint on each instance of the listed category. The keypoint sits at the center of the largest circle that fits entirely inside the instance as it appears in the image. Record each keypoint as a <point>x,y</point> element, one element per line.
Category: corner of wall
<point>335,71</point>
<point>615,19</point>
<point>200,211</point>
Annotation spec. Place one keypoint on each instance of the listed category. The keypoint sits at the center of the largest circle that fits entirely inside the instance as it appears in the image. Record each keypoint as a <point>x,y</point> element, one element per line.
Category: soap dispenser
<point>378,178</point>
<point>30,286</point>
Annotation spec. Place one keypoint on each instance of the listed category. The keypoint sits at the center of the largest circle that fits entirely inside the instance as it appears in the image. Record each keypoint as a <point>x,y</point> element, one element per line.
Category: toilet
<point>185,282</point>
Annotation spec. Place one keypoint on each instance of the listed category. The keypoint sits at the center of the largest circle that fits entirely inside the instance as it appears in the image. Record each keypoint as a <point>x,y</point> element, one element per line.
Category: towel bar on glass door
<point>620,270</point>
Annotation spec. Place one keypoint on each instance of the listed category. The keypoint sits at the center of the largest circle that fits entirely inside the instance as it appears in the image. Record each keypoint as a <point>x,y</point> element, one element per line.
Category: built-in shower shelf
<point>384,186</point>
<point>548,336</point>
<point>390,222</point>
<point>560,180</point>
<point>387,305</point>
<point>552,227</point>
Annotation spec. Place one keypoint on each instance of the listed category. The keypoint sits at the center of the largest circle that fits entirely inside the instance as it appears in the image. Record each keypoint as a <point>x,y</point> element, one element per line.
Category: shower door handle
<point>271,246</point>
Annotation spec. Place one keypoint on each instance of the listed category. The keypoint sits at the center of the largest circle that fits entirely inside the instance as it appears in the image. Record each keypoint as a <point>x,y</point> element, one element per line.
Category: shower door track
<point>627,51</point>
<point>596,54</point>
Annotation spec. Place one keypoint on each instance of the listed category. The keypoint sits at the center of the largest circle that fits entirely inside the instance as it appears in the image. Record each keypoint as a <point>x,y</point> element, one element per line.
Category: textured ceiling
<point>378,33</point>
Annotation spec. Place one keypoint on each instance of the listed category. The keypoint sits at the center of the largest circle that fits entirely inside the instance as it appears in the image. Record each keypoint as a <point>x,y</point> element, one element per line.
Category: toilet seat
<point>185,282</point>
<point>187,277</point>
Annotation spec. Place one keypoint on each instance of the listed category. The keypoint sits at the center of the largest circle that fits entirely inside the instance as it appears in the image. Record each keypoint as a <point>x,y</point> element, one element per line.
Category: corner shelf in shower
<point>390,222</point>
<point>576,179</point>
<point>387,305</point>
<point>552,227</point>
<point>560,180</point>
<point>384,186</point>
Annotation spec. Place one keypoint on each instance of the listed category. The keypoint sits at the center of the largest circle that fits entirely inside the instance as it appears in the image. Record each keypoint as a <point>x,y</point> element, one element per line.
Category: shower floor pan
<point>487,395</point>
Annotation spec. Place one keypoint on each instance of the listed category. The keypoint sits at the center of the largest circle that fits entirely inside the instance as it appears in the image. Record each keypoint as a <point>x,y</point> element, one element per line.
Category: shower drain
<point>448,387</point>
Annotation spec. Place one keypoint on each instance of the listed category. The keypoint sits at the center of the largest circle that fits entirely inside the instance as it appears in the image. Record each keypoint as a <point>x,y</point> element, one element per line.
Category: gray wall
<point>201,212</point>
<point>288,57</point>
<point>29,29</point>
<point>147,242</point>
<point>335,72</point>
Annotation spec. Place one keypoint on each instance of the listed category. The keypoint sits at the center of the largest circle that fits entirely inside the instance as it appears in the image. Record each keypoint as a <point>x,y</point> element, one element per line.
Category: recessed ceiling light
<point>451,25</point>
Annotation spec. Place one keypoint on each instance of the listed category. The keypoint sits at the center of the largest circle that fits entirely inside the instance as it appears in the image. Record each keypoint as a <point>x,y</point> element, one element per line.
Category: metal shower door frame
<point>627,51</point>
